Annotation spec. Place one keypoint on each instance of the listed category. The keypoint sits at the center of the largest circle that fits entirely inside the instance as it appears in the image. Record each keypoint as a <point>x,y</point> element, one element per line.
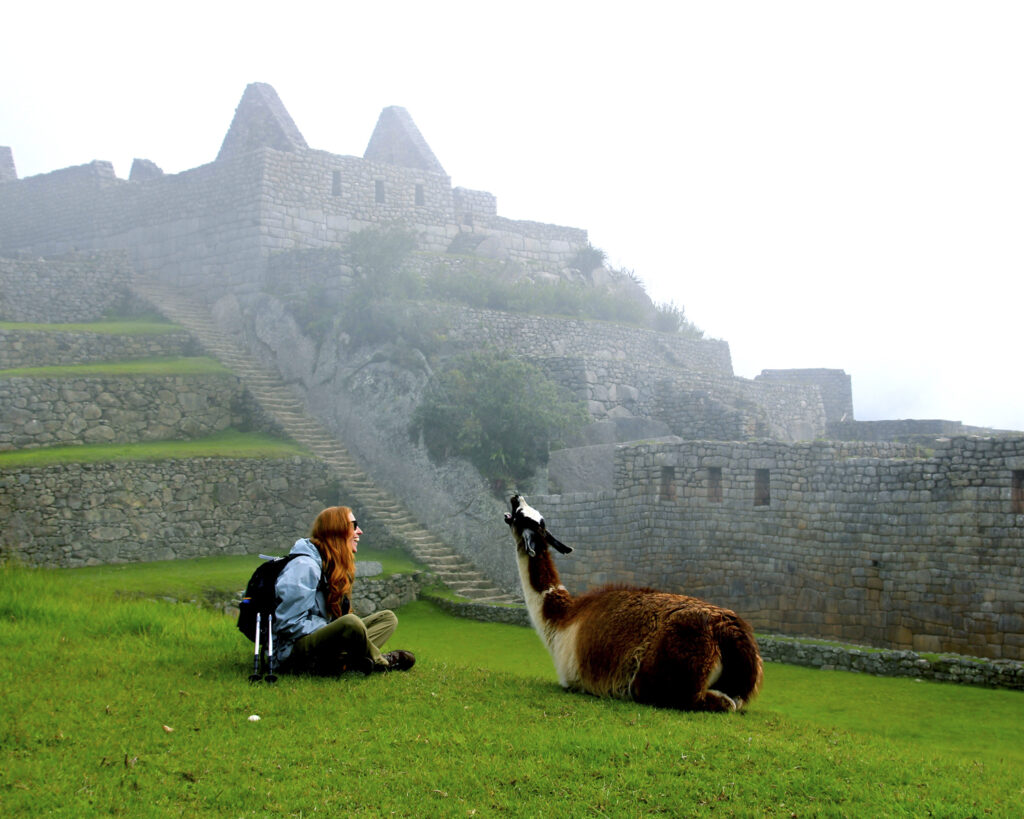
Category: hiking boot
<point>399,661</point>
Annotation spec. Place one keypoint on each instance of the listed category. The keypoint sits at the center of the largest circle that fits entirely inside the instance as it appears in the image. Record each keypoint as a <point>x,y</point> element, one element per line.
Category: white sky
<point>821,184</point>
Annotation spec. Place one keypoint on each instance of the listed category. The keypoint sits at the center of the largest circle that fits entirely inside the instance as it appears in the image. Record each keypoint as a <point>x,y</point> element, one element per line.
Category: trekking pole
<point>255,676</point>
<point>270,677</point>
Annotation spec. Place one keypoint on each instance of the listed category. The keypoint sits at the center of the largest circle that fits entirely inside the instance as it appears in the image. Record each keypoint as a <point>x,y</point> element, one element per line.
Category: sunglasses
<point>355,525</point>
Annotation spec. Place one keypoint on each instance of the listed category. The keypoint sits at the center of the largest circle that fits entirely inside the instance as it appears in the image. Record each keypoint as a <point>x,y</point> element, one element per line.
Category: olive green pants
<point>344,644</point>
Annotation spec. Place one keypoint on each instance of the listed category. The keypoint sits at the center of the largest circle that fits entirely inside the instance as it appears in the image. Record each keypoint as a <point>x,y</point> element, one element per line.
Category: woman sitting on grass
<point>314,630</point>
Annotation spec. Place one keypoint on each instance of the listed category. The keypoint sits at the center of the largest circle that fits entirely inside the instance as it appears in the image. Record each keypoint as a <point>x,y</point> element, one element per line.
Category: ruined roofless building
<point>211,229</point>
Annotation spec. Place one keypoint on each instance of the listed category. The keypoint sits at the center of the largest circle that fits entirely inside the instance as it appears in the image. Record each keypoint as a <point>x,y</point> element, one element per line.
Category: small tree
<point>496,411</point>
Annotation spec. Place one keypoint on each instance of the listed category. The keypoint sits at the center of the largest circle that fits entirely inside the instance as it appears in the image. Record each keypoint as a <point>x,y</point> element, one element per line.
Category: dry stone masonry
<point>92,513</point>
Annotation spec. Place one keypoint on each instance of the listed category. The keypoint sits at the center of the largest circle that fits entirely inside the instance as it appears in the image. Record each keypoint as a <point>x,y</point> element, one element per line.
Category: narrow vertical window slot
<point>714,484</point>
<point>762,487</point>
<point>668,483</point>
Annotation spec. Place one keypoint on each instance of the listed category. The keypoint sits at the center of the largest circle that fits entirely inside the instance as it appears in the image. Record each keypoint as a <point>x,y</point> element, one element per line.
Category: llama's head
<point>528,529</point>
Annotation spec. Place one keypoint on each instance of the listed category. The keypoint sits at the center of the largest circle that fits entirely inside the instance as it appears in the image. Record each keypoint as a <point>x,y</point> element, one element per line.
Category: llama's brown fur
<point>631,643</point>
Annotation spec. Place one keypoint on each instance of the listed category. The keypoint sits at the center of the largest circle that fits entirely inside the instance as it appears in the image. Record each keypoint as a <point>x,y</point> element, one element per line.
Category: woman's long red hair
<point>331,531</point>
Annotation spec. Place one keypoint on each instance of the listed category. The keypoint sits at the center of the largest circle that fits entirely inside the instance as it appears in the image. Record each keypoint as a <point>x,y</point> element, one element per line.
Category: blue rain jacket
<point>303,606</point>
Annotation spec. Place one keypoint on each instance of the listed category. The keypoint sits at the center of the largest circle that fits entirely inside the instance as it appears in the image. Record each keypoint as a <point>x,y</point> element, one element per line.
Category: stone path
<point>281,404</point>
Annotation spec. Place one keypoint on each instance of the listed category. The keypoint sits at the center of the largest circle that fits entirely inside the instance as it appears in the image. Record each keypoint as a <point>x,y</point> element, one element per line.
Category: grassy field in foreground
<point>227,444</point>
<point>140,707</point>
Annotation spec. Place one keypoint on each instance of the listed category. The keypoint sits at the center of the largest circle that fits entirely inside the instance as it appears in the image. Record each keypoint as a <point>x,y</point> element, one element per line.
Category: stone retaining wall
<point>541,337</point>
<point>84,287</point>
<point>60,348</point>
<point>371,594</point>
<point>945,668</point>
<point>68,515</point>
<point>38,412</point>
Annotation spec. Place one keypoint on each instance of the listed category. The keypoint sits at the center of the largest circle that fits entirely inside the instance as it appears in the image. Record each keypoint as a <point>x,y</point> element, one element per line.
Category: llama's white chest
<point>560,642</point>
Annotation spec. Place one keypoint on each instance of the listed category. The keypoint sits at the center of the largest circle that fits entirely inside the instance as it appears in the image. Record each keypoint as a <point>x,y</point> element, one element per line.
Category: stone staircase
<point>282,405</point>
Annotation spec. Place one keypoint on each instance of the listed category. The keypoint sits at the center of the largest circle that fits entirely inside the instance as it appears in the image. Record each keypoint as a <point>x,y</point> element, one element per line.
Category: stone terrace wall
<point>54,348</point>
<point>540,337</point>
<point>87,514</point>
<point>858,542</point>
<point>79,288</point>
<point>894,430</point>
<point>38,412</point>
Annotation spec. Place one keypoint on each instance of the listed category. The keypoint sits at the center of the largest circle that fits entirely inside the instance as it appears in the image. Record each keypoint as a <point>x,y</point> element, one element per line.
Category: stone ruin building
<point>763,494</point>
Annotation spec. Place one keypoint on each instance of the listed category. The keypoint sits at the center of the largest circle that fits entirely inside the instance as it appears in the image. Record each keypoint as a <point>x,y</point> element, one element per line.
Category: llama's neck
<point>546,598</point>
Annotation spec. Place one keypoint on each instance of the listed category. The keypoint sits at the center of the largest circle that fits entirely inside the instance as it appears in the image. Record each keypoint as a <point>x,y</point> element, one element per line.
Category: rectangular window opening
<point>378,191</point>
<point>714,484</point>
<point>668,483</point>
<point>420,198</point>
<point>336,183</point>
<point>1017,493</point>
<point>762,487</point>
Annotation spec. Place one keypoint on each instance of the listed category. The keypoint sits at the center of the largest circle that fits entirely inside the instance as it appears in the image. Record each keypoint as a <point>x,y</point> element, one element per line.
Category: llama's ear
<point>529,542</point>
<point>555,543</point>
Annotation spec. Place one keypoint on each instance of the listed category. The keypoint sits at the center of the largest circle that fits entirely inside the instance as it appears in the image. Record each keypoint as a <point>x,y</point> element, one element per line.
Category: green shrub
<point>378,258</point>
<point>668,318</point>
<point>588,258</point>
<point>498,412</point>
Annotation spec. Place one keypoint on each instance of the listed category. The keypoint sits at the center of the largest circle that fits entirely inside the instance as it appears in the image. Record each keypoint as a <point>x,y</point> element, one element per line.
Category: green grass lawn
<point>200,577</point>
<point>227,444</point>
<point>118,327</point>
<point>180,365</point>
<point>119,705</point>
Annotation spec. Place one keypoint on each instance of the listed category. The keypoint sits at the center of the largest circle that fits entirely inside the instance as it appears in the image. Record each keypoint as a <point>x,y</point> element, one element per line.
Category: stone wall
<point>199,228</point>
<point>834,387</point>
<point>79,288</point>
<point>883,544</point>
<point>8,173</point>
<point>542,337</point>
<point>211,229</point>
<point>371,594</point>
<point>39,412</point>
<point>93,513</point>
<point>904,430</point>
<point>58,348</point>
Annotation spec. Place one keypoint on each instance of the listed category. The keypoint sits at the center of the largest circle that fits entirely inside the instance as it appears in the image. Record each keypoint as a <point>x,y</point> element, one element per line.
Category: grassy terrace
<point>226,444</point>
<point>189,365</point>
<point>114,327</point>
<point>115,704</point>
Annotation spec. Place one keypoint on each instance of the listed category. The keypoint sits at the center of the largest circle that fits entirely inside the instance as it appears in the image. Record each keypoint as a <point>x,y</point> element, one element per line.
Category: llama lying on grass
<point>633,644</point>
